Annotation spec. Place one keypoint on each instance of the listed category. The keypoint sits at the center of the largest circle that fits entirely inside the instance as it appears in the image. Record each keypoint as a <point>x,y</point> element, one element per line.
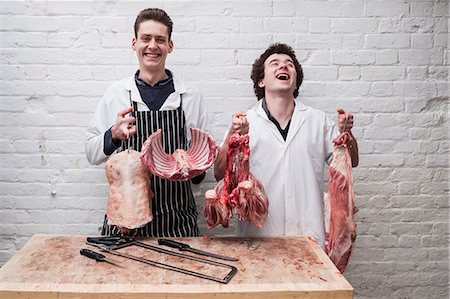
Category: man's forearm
<point>221,161</point>
<point>109,144</point>
<point>239,125</point>
<point>219,167</point>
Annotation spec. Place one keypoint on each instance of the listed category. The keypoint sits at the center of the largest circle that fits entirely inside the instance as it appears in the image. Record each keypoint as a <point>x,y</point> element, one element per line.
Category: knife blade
<point>185,247</point>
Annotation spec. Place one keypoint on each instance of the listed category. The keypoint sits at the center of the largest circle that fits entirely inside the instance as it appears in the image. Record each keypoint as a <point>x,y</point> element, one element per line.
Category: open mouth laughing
<point>283,76</point>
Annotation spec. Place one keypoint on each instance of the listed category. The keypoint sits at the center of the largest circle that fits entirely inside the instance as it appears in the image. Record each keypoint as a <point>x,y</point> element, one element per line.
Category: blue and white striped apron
<point>173,206</point>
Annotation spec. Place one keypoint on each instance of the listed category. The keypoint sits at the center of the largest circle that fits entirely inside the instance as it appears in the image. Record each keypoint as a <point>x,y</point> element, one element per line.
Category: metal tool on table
<point>110,240</point>
<point>185,247</point>
<point>113,244</point>
<point>131,115</point>
<point>98,257</point>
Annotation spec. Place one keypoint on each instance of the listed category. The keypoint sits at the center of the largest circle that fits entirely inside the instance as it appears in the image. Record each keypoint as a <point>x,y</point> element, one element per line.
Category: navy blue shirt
<point>154,96</point>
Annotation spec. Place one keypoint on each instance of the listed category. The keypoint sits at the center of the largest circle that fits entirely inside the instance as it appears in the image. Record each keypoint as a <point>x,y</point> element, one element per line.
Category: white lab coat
<point>117,98</point>
<point>291,171</point>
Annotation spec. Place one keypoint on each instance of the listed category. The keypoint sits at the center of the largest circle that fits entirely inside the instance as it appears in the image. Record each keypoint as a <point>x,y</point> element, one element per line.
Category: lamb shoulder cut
<point>129,191</point>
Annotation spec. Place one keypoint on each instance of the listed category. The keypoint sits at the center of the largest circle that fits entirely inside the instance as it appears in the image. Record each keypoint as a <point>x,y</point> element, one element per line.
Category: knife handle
<point>92,254</point>
<point>173,244</point>
<point>104,240</point>
<point>110,240</point>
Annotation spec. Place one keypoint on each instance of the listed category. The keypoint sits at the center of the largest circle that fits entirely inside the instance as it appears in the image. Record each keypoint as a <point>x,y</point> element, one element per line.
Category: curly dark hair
<point>154,14</point>
<point>258,67</point>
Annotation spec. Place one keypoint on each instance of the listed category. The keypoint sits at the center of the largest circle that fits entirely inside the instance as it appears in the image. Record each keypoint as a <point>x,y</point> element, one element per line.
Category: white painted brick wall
<point>386,61</point>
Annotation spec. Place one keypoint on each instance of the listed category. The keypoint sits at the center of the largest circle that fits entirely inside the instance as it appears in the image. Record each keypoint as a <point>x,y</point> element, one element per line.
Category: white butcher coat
<point>291,171</point>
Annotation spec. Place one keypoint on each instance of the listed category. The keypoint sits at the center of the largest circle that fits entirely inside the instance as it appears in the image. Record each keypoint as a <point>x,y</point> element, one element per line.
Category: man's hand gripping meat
<point>345,124</point>
<point>239,124</point>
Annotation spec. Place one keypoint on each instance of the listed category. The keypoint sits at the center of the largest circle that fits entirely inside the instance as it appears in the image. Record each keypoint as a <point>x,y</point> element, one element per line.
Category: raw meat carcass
<point>239,192</point>
<point>129,191</point>
<point>342,230</point>
<point>181,165</point>
<point>237,167</point>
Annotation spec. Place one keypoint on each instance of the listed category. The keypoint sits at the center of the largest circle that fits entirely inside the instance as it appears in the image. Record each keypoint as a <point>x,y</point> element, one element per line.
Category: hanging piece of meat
<point>239,192</point>
<point>251,201</point>
<point>217,210</point>
<point>181,165</point>
<point>342,227</point>
<point>129,191</point>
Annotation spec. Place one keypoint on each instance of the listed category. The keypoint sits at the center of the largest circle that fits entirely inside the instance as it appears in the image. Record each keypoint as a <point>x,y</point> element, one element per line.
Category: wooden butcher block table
<point>50,266</point>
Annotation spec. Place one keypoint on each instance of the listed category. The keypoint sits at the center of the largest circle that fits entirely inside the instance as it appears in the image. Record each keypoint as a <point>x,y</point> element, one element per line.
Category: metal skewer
<point>131,114</point>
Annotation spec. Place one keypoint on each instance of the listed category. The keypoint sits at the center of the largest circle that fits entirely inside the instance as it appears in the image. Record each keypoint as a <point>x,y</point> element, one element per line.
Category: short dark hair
<point>258,67</point>
<point>154,14</point>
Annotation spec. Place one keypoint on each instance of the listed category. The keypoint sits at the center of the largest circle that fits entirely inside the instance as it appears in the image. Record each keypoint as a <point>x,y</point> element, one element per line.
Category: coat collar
<point>299,106</point>
<point>300,114</point>
<point>130,85</point>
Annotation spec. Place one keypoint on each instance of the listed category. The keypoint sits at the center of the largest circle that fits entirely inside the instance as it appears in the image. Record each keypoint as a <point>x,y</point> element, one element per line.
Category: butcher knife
<point>185,247</point>
<point>98,257</point>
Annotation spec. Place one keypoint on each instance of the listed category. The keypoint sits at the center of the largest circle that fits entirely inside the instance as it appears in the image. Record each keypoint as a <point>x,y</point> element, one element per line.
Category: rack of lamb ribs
<point>181,165</point>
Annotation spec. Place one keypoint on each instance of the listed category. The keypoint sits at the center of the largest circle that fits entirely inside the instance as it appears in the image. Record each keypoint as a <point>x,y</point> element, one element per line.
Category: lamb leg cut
<point>342,229</point>
<point>251,202</point>
<point>217,210</point>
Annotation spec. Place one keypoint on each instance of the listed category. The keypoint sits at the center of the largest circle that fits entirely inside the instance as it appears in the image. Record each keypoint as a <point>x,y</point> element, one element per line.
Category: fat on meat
<point>129,191</point>
<point>181,165</point>
<point>239,192</point>
<point>339,207</point>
